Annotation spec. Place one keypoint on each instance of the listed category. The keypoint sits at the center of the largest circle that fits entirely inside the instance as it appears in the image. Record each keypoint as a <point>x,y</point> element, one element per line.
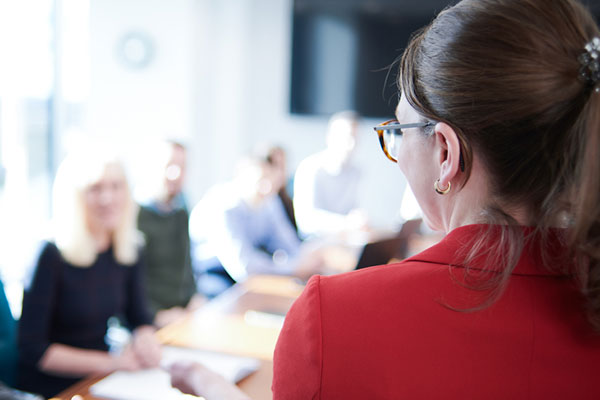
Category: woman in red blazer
<point>388,333</point>
<point>498,135</point>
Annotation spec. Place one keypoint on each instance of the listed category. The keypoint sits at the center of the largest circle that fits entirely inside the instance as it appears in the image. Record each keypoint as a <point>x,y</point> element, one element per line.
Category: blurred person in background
<point>8,341</point>
<point>240,228</point>
<point>90,273</point>
<point>326,184</point>
<point>163,219</point>
<point>8,354</point>
<point>276,157</point>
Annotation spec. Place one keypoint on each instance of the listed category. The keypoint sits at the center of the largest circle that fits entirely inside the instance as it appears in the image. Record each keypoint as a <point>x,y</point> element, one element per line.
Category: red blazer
<point>387,333</point>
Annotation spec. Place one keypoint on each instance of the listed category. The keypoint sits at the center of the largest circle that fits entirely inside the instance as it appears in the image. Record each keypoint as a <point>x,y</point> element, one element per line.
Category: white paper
<point>232,368</point>
<point>149,384</point>
<point>155,384</point>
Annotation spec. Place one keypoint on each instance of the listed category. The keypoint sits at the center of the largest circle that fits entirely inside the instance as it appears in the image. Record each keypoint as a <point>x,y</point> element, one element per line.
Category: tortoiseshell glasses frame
<point>388,131</point>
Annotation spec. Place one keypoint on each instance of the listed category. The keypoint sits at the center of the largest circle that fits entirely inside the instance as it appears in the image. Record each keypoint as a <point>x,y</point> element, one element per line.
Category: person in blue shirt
<point>243,227</point>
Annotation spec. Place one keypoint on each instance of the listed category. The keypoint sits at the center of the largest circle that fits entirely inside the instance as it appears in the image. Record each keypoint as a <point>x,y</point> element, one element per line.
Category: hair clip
<point>589,72</point>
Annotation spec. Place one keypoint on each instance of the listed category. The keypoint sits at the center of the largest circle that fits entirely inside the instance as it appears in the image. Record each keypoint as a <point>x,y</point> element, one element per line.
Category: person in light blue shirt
<point>243,226</point>
<point>326,184</point>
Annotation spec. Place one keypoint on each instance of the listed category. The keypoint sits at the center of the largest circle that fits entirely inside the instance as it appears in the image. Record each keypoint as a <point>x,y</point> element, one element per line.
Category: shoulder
<point>423,282</point>
<point>145,218</point>
<point>238,210</point>
<point>336,312</point>
<point>310,163</point>
<point>274,204</point>
<point>384,283</point>
<point>48,251</point>
<point>145,210</point>
<point>218,198</point>
<point>48,263</point>
<point>394,286</point>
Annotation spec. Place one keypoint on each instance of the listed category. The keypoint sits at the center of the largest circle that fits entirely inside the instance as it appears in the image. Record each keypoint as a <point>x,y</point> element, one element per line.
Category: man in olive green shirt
<point>170,283</point>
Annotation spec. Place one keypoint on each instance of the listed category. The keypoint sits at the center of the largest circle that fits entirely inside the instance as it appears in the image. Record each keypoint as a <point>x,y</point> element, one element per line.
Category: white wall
<point>151,100</point>
<point>220,77</point>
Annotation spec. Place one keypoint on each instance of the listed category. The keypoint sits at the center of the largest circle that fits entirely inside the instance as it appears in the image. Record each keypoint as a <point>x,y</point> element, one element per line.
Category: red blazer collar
<point>452,249</point>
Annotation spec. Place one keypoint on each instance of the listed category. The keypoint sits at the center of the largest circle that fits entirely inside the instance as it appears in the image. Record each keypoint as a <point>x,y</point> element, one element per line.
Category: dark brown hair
<point>505,75</point>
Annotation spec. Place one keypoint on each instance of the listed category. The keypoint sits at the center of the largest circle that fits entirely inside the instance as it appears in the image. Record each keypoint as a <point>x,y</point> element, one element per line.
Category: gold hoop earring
<point>438,190</point>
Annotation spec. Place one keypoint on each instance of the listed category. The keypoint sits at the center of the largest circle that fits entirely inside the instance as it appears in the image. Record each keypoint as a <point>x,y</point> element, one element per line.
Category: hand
<point>126,361</point>
<point>168,316</point>
<point>183,377</point>
<point>146,347</point>
<point>196,302</point>
<point>197,380</point>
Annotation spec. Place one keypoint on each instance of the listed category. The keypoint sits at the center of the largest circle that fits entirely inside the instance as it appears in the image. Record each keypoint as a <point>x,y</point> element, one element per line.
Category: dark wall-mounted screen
<point>342,50</point>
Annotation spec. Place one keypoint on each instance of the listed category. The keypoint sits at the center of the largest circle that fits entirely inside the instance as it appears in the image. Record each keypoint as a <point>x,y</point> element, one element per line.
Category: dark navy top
<point>71,305</point>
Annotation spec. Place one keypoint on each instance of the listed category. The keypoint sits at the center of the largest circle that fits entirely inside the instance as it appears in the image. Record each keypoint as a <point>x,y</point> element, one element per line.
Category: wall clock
<point>135,50</point>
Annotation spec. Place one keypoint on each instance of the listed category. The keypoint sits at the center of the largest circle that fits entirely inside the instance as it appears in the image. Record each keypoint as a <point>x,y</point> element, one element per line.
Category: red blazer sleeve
<point>298,361</point>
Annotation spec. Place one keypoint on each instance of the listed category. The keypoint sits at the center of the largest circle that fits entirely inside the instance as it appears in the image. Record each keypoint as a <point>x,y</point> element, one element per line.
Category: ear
<point>447,152</point>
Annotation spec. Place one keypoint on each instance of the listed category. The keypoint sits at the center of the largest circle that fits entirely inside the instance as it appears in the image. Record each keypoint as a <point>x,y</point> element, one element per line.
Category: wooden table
<point>245,320</point>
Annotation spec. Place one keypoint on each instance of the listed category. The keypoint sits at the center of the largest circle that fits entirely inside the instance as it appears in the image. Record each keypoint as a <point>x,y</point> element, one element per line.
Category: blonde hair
<point>71,233</point>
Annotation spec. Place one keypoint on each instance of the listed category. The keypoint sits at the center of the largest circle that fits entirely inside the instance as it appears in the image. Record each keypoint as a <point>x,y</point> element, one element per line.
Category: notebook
<point>155,384</point>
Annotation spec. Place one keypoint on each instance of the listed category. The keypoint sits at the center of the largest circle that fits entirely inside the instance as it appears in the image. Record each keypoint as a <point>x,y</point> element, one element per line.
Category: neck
<point>471,203</point>
<point>333,165</point>
<point>253,200</point>
<point>165,203</point>
<point>465,208</point>
<point>164,197</point>
<point>103,240</point>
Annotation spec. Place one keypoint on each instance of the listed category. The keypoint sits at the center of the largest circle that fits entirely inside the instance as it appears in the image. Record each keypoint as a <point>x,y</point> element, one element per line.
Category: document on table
<point>155,384</point>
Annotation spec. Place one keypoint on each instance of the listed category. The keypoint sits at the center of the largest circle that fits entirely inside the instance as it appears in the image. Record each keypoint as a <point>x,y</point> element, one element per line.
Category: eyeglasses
<point>390,135</point>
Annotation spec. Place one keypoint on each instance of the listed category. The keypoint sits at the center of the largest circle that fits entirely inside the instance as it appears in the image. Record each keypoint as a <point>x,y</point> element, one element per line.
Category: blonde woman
<point>88,274</point>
